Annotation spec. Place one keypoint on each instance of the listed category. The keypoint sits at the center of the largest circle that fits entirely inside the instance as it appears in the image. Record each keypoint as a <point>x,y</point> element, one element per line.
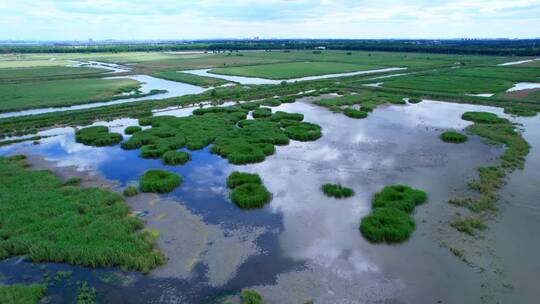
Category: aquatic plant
<point>22,294</point>
<point>414,100</point>
<point>520,111</point>
<point>389,225</point>
<point>239,178</point>
<point>251,296</point>
<point>159,181</point>
<point>262,113</point>
<point>353,113</point>
<point>132,129</point>
<point>130,191</point>
<point>176,158</point>
<point>303,131</point>
<point>483,117</point>
<point>337,191</point>
<point>98,136</point>
<point>250,196</point>
<point>81,226</point>
<point>280,115</point>
<point>271,102</point>
<point>453,137</point>
<point>287,99</point>
<point>250,106</point>
<point>85,293</point>
<point>468,225</point>
<point>399,197</point>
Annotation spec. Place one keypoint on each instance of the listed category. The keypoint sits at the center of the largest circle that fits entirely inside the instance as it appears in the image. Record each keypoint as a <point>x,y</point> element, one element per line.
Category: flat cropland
<point>293,69</point>
<point>56,93</point>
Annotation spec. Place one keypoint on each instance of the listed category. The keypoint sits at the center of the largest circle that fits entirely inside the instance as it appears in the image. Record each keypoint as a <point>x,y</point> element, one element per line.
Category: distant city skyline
<point>211,19</point>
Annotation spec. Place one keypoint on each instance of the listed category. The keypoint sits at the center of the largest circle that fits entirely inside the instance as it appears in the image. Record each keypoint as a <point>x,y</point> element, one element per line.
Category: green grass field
<point>190,78</point>
<point>43,73</point>
<point>55,93</point>
<point>293,69</point>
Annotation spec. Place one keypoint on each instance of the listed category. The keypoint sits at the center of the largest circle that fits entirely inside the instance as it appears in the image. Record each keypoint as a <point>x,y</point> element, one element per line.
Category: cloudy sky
<point>186,19</point>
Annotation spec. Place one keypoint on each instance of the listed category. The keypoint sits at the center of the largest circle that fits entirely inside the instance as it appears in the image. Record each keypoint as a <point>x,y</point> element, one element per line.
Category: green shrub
<point>251,296</point>
<point>262,113</point>
<point>22,294</point>
<point>250,196</point>
<point>453,137</point>
<point>130,191</point>
<point>387,225</point>
<point>159,181</point>
<point>132,130</point>
<point>236,179</point>
<point>483,117</point>
<point>350,112</point>
<point>399,197</point>
<point>176,158</point>
<point>337,191</point>
<point>97,136</point>
<point>303,131</point>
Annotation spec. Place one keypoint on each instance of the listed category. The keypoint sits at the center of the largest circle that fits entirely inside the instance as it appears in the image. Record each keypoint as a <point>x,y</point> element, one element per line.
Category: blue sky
<point>168,19</point>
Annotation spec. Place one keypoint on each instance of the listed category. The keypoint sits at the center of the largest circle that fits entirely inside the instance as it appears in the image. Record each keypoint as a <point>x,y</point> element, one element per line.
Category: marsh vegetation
<point>159,181</point>
<point>247,190</point>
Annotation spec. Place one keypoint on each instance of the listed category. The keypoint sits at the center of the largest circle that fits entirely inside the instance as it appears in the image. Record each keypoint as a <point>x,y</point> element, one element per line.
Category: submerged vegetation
<point>453,137</point>
<point>337,191</point>
<point>159,181</point>
<point>247,190</point>
<point>98,136</point>
<point>22,294</point>
<point>390,220</point>
<point>494,130</point>
<point>48,221</point>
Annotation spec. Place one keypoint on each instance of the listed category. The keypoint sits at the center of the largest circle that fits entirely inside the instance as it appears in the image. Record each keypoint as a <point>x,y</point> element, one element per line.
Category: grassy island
<point>247,190</point>
<point>176,157</point>
<point>98,136</point>
<point>159,181</point>
<point>453,137</point>
<point>337,191</point>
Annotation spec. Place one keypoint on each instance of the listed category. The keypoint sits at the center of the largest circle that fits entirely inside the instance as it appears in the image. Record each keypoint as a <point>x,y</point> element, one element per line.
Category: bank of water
<point>304,245</point>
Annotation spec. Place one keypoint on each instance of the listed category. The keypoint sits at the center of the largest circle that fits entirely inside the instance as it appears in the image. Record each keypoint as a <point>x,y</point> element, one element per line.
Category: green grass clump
<point>132,130</point>
<point>251,296</point>
<point>280,115</point>
<point>271,102</point>
<point>48,222</point>
<point>400,197</point>
<point>468,225</point>
<point>389,225</point>
<point>483,117</point>
<point>85,294</point>
<point>159,181</point>
<point>176,158</point>
<point>130,191</point>
<point>337,191</point>
<point>453,137</point>
<point>414,100</point>
<point>248,192</point>
<point>520,111</point>
<point>353,113</point>
<point>22,294</point>
<point>73,181</point>
<point>97,136</point>
<point>303,131</point>
<point>250,106</point>
<point>236,179</point>
<point>287,99</point>
<point>262,113</point>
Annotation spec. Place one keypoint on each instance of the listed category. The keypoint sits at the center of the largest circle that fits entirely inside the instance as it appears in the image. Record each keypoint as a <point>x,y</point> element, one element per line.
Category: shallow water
<point>307,246</point>
<point>518,62</point>
<point>148,83</point>
<point>524,86</point>
<point>257,80</point>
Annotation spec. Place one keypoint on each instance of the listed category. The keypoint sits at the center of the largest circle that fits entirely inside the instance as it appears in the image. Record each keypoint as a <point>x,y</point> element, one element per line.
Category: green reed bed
<point>337,191</point>
<point>390,220</point>
<point>250,106</point>
<point>22,294</point>
<point>353,113</point>
<point>280,115</point>
<point>483,117</point>
<point>98,136</point>
<point>176,157</point>
<point>49,222</point>
<point>247,190</point>
<point>520,111</point>
<point>262,113</point>
<point>132,130</point>
<point>453,137</point>
<point>159,181</point>
<point>226,129</point>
